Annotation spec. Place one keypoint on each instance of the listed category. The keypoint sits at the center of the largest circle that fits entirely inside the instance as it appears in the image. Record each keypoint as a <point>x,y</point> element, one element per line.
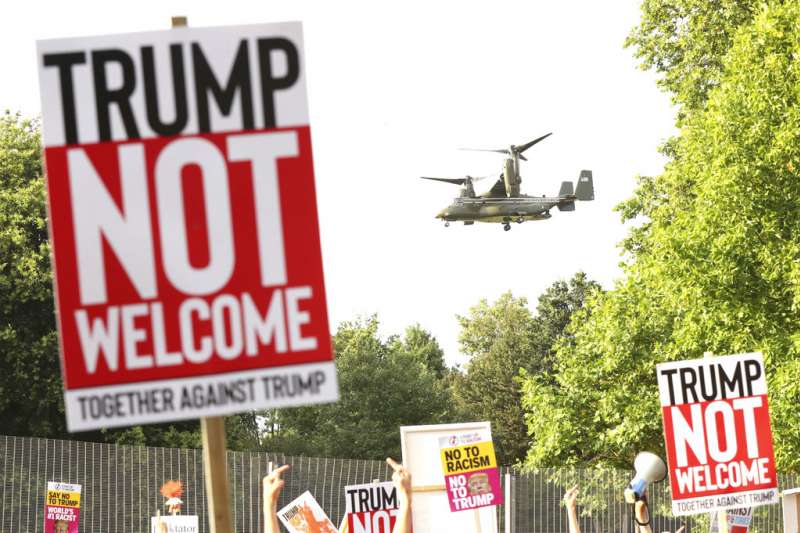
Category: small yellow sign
<point>63,498</point>
<point>468,458</point>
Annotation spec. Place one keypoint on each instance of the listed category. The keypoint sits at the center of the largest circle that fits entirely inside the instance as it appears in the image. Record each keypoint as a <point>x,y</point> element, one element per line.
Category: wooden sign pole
<point>215,466</point>
<point>215,455</point>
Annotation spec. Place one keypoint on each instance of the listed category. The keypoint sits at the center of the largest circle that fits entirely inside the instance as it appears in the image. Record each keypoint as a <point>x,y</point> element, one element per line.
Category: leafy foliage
<point>502,338</point>
<point>422,347</point>
<point>686,41</point>
<point>30,386</point>
<point>382,385</point>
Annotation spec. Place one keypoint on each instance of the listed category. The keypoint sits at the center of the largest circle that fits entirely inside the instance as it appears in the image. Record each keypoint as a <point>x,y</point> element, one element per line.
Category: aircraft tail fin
<point>568,195</point>
<point>585,189</point>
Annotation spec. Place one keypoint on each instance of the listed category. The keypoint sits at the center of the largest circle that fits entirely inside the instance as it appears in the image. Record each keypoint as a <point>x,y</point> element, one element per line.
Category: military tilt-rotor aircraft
<point>504,203</point>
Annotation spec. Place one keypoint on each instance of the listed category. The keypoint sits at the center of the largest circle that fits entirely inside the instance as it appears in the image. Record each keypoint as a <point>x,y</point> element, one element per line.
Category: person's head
<point>61,526</point>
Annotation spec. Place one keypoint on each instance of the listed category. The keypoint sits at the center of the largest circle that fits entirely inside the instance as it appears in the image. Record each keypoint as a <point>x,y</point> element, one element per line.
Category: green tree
<point>422,347</point>
<point>498,339</point>
<point>501,339</point>
<point>717,267</point>
<point>382,386</point>
<point>554,311</point>
<point>30,384</point>
<point>686,40</point>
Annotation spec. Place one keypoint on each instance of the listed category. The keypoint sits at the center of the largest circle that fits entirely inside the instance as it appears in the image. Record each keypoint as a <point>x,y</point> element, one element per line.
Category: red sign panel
<point>184,225</point>
<point>717,433</point>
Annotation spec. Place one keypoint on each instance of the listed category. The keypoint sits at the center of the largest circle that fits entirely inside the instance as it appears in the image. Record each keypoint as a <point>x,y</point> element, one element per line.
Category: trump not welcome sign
<point>184,226</point>
<point>717,433</point>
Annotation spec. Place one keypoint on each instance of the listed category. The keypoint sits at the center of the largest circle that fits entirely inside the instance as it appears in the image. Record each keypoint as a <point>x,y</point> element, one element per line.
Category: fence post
<point>507,499</point>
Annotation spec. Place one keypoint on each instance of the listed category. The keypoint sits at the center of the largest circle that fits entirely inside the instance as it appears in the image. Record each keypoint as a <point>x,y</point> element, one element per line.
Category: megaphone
<point>649,469</point>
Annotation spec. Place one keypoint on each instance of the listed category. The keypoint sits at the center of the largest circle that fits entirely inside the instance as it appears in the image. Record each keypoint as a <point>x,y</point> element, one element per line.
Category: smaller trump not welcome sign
<point>717,433</point>
<point>471,476</point>
<point>371,507</point>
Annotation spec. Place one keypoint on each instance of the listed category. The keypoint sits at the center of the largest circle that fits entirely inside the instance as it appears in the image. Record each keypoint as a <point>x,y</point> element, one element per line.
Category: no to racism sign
<point>62,507</point>
<point>717,433</point>
<point>184,226</point>
<point>371,507</point>
<point>471,476</point>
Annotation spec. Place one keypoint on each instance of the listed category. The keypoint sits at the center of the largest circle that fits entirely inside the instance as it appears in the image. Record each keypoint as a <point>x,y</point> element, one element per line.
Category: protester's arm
<point>571,503</point>
<point>272,485</point>
<point>402,482</point>
<point>642,516</point>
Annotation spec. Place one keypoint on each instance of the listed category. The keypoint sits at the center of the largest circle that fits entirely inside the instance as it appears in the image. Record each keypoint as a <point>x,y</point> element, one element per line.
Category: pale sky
<point>394,90</point>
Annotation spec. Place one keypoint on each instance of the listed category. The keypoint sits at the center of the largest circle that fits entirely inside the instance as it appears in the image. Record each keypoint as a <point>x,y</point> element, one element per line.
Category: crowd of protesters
<point>273,484</point>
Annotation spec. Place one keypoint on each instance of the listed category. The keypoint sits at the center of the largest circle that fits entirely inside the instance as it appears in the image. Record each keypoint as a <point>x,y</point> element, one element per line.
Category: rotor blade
<point>501,151</point>
<point>522,157</point>
<point>478,178</point>
<point>455,181</point>
<point>524,147</point>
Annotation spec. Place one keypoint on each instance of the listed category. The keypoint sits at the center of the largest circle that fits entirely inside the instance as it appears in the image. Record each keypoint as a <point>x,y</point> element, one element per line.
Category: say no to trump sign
<point>717,433</point>
<point>184,225</point>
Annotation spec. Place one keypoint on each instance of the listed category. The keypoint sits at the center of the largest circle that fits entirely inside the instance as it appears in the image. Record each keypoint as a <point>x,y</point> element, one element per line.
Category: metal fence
<point>120,488</point>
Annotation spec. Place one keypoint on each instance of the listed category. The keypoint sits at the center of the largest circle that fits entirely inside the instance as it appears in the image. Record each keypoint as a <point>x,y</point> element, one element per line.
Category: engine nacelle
<point>510,178</point>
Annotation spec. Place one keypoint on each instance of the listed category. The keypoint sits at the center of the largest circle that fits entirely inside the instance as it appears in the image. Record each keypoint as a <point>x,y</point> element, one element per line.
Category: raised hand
<point>571,503</point>
<point>401,478</point>
<point>272,485</point>
<point>571,498</point>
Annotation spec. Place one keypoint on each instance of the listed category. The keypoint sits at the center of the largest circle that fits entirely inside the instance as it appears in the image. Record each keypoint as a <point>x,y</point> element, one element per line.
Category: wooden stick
<point>215,463</point>
<point>215,456</point>
<point>428,488</point>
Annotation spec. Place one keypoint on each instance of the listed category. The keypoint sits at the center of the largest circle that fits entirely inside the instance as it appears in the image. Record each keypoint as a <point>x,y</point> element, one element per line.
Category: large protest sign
<point>304,515</point>
<point>183,219</point>
<point>371,507</point>
<point>717,433</point>
<point>470,469</point>
<point>422,457</point>
<point>62,508</point>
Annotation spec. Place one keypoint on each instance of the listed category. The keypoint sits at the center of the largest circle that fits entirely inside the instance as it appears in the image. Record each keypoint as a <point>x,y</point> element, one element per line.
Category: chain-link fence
<point>120,488</point>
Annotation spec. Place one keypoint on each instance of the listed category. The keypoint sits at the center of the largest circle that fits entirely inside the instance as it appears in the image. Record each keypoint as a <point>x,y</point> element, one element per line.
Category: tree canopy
<point>30,384</point>
<point>716,265</point>
<point>686,41</point>
<point>501,338</point>
<point>383,384</point>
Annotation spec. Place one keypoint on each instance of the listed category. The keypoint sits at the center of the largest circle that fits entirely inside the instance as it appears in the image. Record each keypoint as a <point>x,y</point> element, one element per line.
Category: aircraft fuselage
<point>515,209</point>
